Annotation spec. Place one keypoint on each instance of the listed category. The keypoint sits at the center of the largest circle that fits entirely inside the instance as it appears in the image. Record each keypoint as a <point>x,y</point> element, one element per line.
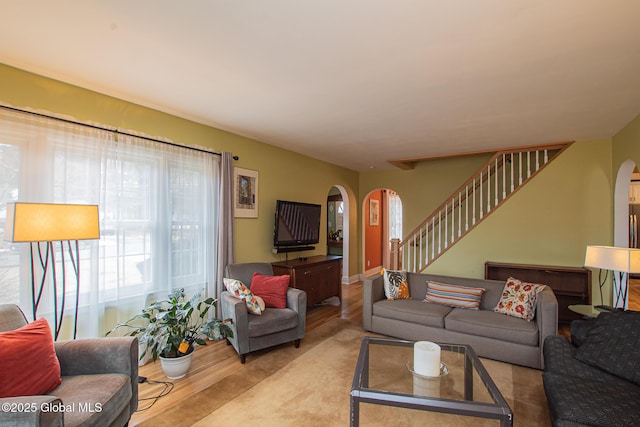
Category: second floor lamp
<point>622,262</point>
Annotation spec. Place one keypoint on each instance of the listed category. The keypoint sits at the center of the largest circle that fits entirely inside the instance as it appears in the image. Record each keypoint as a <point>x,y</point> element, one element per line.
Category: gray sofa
<point>492,335</point>
<point>99,382</point>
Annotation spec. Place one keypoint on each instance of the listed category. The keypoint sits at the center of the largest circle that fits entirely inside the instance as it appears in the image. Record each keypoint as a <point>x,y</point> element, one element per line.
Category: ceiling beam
<point>410,163</point>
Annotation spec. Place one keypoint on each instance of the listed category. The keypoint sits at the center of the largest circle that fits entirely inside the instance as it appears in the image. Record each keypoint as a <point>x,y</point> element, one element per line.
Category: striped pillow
<point>454,295</point>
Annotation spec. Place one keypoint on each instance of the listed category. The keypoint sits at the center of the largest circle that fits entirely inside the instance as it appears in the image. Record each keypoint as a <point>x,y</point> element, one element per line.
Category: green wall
<point>626,144</point>
<point>549,221</point>
<point>282,173</point>
<point>425,187</point>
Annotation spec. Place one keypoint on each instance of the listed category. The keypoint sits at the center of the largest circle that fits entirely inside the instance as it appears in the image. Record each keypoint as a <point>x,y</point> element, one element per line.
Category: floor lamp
<point>621,261</point>
<point>43,225</point>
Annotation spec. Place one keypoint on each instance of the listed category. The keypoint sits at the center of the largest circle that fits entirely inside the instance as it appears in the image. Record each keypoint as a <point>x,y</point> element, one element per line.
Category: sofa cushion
<point>271,321</point>
<point>488,324</point>
<point>559,357</point>
<point>97,399</point>
<point>518,299</point>
<point>395,284</point>
<point>612,345</point>
<point>414,311</point>
<point>25,348</point>
<point>587,402</point>
<point>453,295</point>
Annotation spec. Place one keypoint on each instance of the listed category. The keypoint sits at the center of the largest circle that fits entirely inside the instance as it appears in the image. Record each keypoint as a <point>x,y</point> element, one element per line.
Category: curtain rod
<point>146,138</point>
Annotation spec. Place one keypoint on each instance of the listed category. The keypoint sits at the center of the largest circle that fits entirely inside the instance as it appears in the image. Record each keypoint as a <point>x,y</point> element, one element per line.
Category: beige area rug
<point>313,390</point>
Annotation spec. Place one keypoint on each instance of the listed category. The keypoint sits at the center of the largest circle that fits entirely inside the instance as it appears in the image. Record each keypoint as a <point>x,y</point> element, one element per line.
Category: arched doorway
<point>381,222</point>
<point>338,227</point>
<point>624,210</point>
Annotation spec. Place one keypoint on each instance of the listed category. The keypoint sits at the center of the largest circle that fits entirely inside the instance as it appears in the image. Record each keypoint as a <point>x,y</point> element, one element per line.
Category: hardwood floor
<point>217,360</point>
<point>634,294</point>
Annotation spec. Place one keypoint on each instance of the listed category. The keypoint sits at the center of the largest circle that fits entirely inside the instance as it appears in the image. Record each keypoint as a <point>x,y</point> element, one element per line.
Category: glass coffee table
<point>384,376</point>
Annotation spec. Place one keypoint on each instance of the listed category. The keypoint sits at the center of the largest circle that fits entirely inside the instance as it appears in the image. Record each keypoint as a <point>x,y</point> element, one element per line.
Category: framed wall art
<point>245,189</point>
<point>374,212</point>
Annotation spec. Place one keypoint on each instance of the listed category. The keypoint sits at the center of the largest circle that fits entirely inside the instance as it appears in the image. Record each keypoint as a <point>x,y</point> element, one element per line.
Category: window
<point>158,214</point>
<point>395,215</point>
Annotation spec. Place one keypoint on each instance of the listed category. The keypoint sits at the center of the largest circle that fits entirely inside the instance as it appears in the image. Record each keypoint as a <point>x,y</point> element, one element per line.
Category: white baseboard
<point>348,280</point>
<point>371,272</point>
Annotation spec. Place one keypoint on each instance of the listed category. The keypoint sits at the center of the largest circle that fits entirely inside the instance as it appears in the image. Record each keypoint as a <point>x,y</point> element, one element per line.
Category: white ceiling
<point>351,82</point>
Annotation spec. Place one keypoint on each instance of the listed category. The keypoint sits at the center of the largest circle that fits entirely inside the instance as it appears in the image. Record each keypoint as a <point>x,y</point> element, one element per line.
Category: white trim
<point>350,280</point>
<point>621,204</point>
<point>372,271</point>
<point>345,231</point>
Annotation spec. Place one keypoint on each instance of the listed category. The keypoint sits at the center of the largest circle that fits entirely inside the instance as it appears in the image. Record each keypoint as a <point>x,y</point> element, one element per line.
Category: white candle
<point>426,358</point>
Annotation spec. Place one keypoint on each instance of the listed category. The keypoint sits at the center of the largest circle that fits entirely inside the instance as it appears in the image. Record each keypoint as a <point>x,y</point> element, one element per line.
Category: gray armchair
<point>99,382</point>
<point>275,325</point>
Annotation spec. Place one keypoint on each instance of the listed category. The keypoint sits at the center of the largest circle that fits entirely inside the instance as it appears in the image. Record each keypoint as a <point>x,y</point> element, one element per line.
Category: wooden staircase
<point>494,182</point>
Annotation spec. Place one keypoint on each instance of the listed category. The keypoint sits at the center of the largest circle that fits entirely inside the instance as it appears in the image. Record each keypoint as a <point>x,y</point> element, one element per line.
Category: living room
<point>548,222</point>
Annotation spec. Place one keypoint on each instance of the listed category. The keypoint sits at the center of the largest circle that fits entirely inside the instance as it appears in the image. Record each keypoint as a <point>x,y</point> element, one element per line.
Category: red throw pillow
<point>272,289</point>
<point>29,364</point>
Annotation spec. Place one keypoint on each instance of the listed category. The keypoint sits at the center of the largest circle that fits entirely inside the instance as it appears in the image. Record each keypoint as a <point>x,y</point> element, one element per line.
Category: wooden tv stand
<point>319,276</point>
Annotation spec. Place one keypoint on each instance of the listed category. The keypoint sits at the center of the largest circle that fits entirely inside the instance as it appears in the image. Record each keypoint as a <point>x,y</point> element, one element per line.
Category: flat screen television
<point>296,224</point>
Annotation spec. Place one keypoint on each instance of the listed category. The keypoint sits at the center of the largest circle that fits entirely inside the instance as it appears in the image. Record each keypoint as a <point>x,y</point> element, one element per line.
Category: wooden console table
<point>319,276</point>
<point>571,285</point>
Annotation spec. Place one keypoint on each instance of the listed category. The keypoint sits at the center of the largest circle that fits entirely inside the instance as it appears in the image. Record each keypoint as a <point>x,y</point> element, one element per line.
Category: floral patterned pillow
<point>519,299</point>
<point>395,284</point>
<point>239,290</point>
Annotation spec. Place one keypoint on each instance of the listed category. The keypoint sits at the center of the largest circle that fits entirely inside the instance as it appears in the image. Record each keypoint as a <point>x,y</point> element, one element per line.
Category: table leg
<point>507,422</point>
<point>468,379</point>
<point>354,412</point>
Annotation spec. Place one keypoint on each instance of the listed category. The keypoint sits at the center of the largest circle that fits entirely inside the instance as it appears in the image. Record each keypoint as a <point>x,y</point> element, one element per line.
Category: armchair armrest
<point>98,356</point>
<point>31,411</point>
<point>236,309</point>
<point>115,355</point>
<point>372,291</point>
<point>297,301</point>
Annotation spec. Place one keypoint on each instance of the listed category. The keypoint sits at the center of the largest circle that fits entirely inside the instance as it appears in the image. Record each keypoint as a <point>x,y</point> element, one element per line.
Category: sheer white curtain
<point>395,215</point>
<point>158,215</point>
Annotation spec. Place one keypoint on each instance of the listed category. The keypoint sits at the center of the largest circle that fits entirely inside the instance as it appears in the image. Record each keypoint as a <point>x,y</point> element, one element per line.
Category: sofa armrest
<point>546,318</point>
<point>372,292</point>
<point>113,355</point>
<point>31,411</point>
<point>580,330</point>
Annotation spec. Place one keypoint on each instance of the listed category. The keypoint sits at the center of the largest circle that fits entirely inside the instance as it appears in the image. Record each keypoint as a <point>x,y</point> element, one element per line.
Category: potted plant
<point>172,327</point>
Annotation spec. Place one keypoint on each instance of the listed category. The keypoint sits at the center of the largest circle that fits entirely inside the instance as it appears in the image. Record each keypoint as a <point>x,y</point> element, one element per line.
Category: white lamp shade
<point>47,222</point>
<point>613,258</point>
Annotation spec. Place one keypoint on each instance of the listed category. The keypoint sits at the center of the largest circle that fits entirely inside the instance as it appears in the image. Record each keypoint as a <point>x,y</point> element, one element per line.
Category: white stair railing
<point>494,182</point>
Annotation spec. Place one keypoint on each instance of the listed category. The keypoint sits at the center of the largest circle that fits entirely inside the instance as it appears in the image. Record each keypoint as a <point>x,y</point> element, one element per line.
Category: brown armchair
<point>99,382</point>
<point>274,326</point>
